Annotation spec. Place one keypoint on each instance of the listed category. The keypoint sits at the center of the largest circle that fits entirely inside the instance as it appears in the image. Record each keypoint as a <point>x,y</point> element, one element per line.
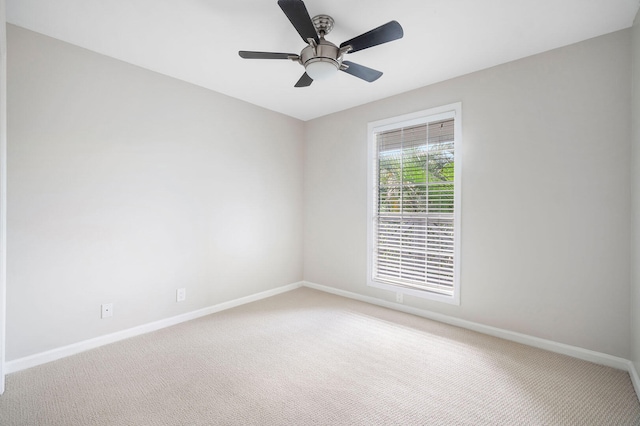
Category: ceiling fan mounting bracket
<point>323,24</point>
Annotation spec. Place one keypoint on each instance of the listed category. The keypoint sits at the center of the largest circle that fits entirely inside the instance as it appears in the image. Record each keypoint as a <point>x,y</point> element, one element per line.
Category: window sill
<point>424,294</point>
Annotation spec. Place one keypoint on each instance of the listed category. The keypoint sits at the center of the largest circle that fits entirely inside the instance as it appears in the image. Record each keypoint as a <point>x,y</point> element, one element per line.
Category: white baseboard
<point>561,348</point>
<point>635,379</point>
<point>58,353</point>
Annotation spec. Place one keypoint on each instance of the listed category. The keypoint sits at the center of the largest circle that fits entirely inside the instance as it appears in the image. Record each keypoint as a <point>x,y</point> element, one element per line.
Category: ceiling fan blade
<point>297,13</point>
<point>360,71</point>
<point>383,34</point>
<point>304,81</point>
<point>267,55</point>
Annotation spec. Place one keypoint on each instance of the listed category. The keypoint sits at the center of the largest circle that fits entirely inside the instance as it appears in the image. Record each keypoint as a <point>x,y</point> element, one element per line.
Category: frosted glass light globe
<point>321,69</point>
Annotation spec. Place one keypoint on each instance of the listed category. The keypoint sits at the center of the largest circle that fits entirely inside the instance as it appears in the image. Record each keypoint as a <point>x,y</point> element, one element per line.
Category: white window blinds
<point>414,205</point>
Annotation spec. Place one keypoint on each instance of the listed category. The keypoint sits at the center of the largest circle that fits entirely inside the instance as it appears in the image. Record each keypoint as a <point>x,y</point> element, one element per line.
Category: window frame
<point>420,117</point>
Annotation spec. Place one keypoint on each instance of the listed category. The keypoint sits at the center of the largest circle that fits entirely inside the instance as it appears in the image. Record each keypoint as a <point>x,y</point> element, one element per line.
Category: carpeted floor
<point>310,358</point>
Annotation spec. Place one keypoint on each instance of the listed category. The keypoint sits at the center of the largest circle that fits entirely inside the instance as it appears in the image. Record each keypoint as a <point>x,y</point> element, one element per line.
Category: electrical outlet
<point>181,294</point>
<point>399,297</point>
<point>107,310</point>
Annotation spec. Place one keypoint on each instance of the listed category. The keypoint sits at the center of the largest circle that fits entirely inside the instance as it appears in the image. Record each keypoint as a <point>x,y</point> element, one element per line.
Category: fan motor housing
<point>324,51</point>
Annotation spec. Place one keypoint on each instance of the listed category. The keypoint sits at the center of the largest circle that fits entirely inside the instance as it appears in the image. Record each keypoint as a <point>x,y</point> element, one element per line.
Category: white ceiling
<point>198,40</point>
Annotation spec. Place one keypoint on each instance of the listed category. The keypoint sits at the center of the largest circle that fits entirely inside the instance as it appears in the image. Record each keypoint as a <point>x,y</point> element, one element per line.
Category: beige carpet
<point>306,357</point>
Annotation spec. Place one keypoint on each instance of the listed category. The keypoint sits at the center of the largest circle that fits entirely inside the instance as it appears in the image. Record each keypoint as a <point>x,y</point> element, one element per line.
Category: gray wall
<point>545,194</point>
<point>125,185</point>
<point>635,143</point>
<point>3,188</point>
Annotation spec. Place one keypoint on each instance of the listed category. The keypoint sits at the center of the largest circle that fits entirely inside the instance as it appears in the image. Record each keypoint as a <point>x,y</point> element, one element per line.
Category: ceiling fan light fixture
<point>321,68</point>
<point>321,58</point>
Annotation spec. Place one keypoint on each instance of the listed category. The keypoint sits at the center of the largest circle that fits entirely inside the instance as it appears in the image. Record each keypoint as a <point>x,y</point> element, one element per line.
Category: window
<point>414,204</point>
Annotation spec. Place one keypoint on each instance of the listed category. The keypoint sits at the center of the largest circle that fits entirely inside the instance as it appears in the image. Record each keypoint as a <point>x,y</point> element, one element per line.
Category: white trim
<point>453,110</point>
<point>75,348</point>
<point>444,298</point>
<point>635,379</point>
<point>390,122</point>
<point>536,342</point>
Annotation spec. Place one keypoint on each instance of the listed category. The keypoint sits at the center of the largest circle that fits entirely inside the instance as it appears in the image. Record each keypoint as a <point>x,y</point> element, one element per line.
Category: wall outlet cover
<point>107,310</point>
<point>181,294</point>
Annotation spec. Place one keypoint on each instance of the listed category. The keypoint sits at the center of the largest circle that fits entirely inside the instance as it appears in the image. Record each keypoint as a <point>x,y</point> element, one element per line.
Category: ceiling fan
<point>322,58</point>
